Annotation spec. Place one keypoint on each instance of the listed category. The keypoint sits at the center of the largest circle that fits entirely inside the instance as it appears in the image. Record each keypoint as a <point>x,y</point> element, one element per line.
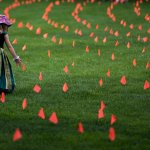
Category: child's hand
<point>18,61</point>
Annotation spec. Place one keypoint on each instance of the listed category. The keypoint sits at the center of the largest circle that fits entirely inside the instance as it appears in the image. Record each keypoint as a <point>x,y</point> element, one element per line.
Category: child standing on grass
<point>7,82</point>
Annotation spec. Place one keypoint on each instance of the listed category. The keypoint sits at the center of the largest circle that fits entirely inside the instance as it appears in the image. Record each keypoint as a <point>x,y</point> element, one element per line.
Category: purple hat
<point>5,20</point>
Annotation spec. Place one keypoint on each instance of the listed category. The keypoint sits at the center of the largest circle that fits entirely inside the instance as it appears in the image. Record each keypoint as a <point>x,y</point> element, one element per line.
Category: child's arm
<point>11,49</point>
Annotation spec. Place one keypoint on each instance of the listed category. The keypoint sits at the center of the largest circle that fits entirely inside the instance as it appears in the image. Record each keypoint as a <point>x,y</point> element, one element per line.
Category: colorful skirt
<point>7,82</point>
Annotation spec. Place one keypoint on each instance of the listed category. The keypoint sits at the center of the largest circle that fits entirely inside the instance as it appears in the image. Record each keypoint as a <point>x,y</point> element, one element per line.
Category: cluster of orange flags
<point>75,14</point>
<point>53,117</point>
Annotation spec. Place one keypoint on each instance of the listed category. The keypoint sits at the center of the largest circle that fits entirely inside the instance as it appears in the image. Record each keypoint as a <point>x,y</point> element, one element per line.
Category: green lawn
<point>130,103</point>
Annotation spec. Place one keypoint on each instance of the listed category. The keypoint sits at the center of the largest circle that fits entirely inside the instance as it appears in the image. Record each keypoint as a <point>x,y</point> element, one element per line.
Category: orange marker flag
<point>38,31</point>
<point>113,57</point>
<point>117,43</point>
<point>17,135</point>
<point>108,73</point>
<point>49,53</point>
<point>37,88</point>
<point>100,82</point>
<point>24,47</point>
<point>87,49</point>
<point>104,40</point>
<point>24,104</point>
<point>99,52</point>
<point>100,113</point>
<point>96,39</point>
<point>96,26</point>
<point>14,41</point>
<point>45,35</point>
<point>106,29</point>
<point>53,118</point>
<point>3,97</point>
<point>65,87</point>
<point>73,64</point>
<point>128,45</point>
<point>20,25</point>
<point>128,34</point>
<point>73,43</point>
<point>140,27</point>
<point>116,33</point>
<point>146,85</point>
<point>60,41</point>
<point>40,76</point>
<point>80,127</point>
<point>54,39</point>
<point>91,34</point>
<point>123,80</point>
<point>66,69</point>
<point>112,135</point>
<point>113,119</point>
<point>147,65</point>
<point>134,62</point>
<point>23,67</point>
<point>131,26</point>
<point>41,113</point>
<point>102,105</point>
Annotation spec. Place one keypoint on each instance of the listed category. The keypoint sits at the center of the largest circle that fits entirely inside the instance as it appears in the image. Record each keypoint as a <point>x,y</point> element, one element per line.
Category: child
<point>7,82</point>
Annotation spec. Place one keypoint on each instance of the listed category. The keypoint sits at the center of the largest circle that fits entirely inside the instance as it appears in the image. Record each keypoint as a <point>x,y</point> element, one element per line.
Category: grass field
<point>130,103</point>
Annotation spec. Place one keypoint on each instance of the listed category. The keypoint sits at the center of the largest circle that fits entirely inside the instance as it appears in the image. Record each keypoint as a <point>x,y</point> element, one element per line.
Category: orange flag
<point>38,31</point>
<point>3,97</point>
<point>23,67</point>
<point>24,104</point>
<point>14,41</point>
<point>108,73</point>
<point>140,27</point>
<point>49,53</point>
<point>73,43</point>
<point>24,47</point>
<point>128,45</point>
<point>99,52</point>
<point>41,113</point>
<point>17,135</point>
<point>123,80</point>
<point>96,39</point>
<point>53,118</point>
<point>54,39</point>
<point>100,82</point>
<point>112,135</point>
<point>134,62</point>
<point>147,65</point>
<point>117,43</point>
<point>66,69</point>
<point>113,119</point>
<point>131,26</point>
<point>96,26</point>
<point>100,113</point>
<point>20,25</point>
<point>116,33</point>
<point>60,41</point>
<point>102,105</point>
<point>40,76</point>
<point>45,35</point>
<point>87,49</point>
<point>65,87</point>
<point>113,57</point>
<point>37,88</point>
<point>104,40</point>
<point>128,34</point>
<point>80,127</point>
<point>146,85</point>
<point>91,34</point>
